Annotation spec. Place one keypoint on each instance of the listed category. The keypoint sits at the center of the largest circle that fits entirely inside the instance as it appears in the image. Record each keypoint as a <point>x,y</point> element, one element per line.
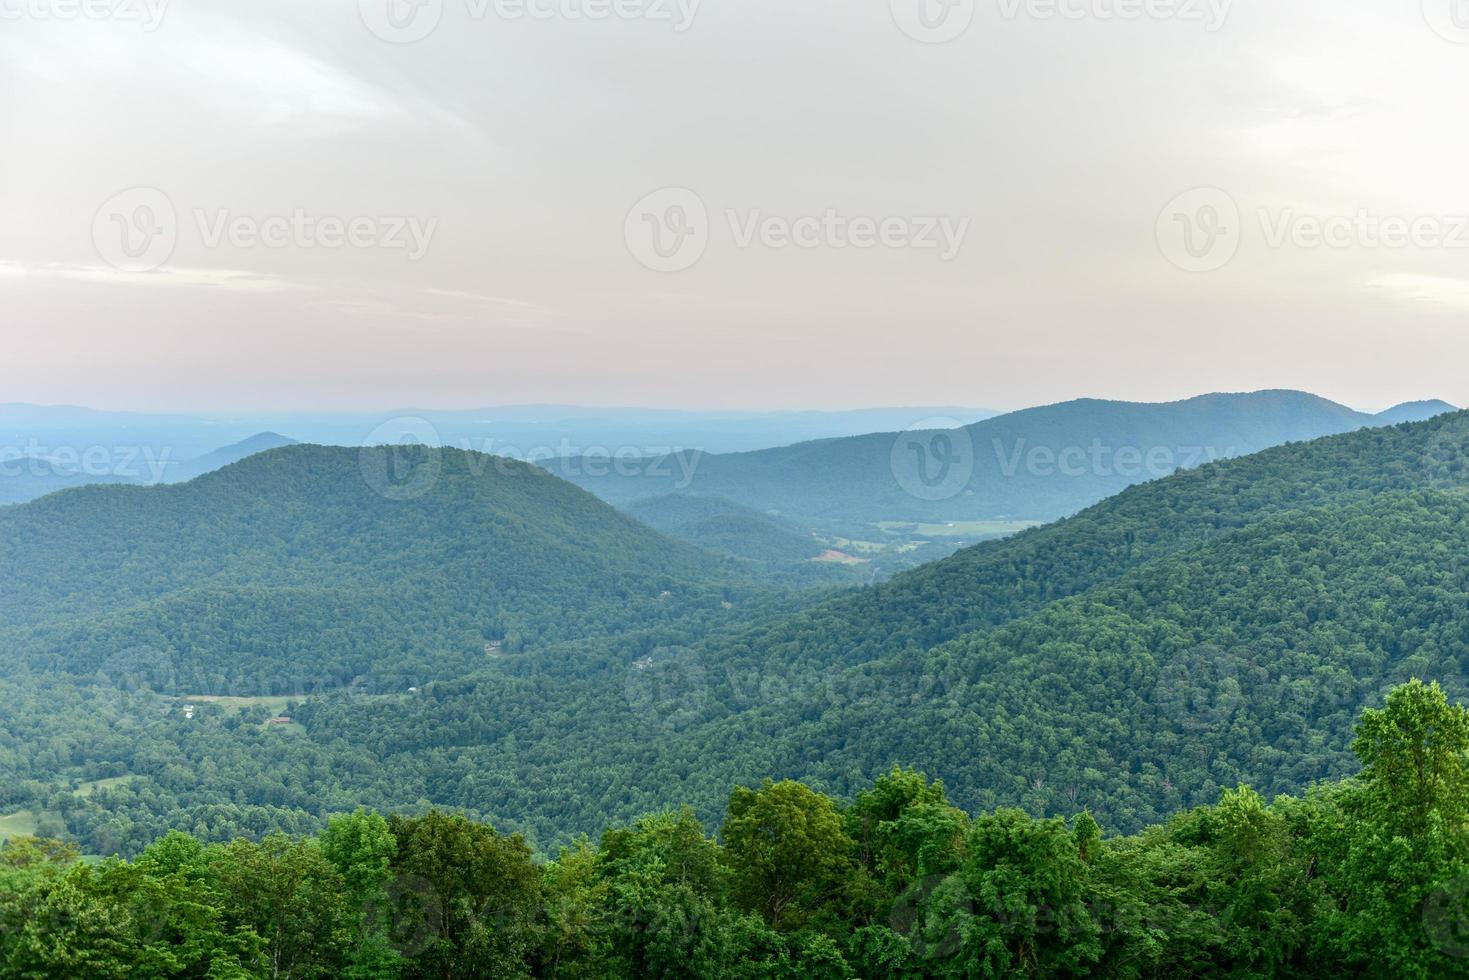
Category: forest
<point>1368,876</point>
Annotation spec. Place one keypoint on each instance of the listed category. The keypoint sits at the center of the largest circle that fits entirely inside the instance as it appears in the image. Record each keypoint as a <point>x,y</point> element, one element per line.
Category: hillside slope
<point>1243,658</point>
<point>192,469</point>
<point>1131,659</point>
<point>314,565</point>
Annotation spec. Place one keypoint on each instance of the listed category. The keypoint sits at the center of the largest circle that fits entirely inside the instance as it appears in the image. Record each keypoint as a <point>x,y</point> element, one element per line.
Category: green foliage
<point>788,852</point>
<point>466,894</point>
<point>1352,880</point>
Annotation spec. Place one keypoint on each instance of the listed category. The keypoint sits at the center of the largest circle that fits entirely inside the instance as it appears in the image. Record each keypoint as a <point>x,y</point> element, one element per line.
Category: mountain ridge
<point>1039,463</point>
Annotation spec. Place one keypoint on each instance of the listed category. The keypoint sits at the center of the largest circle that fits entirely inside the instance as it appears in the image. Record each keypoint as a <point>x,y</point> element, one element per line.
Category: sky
<point>352,204</point>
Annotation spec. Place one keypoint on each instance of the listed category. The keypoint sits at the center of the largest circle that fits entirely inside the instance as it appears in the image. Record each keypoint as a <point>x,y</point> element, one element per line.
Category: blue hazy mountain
<point>1033,465</point>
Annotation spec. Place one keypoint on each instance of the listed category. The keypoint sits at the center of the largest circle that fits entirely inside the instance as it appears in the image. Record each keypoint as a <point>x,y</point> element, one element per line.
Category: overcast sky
<point>218,205</point>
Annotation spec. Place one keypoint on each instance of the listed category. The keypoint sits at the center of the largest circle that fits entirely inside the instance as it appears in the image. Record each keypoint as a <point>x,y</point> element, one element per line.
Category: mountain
<point>309,567</point>
<point>519,431</point>
<point>1222,624</point>
<point>24,478</point>
<point>29,477</point>
<point>1034,465</point>
<point>220,458</point>
<point>1074,665</point>
<point>1415,412</point>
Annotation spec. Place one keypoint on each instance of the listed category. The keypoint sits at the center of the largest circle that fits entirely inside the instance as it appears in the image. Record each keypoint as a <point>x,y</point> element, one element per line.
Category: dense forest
<point>766,547</point>
<point>1363,877</point>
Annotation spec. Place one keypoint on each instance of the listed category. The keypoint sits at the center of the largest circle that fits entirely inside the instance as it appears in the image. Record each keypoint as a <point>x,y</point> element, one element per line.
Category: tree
<point>787,850</point>
<point>361,847</point>
<point>1415,758</point>
<point>1019,904</point>
<point>665,894</point>
<point>1394,844</point>
<point>292,897</point>
<point>471,892</point>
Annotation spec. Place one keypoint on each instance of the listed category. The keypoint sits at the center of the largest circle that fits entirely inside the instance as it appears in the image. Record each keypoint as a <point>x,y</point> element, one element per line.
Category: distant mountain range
<point>1038,464</point>
<point>518,431</point>
<point>1414,412</point>
<point>26,477</point>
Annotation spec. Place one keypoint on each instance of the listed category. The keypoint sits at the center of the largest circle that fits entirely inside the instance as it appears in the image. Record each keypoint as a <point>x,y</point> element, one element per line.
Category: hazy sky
<point>270,204</point>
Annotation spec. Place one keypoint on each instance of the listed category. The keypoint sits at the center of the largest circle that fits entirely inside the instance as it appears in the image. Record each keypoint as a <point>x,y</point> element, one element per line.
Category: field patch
<point>87,789</point>
<point>275,704</point>
<point>22,824</point>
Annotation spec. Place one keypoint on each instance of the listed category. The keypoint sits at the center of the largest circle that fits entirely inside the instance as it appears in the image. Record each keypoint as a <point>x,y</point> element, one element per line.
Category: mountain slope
<point>1415,412</point>
<point>993,583</point>
<point>967,666</point>
<point>224,456</point>
<point>314,566</point>
<point>1244,658</point>
<point>1037,464</point>
<point>726,528</point>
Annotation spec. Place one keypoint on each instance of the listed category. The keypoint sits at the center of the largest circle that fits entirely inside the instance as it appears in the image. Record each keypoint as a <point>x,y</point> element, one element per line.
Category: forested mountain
<point>308,567</point>
<point>725,527</point>
<point>1036,464</point>
<point>1222,624</point>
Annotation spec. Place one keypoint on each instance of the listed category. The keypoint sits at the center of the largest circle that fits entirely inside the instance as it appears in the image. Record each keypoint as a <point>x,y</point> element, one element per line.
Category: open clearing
<point>276,704</point>
<point>960,529</point>
<point>22,824</point>
<point>87,789</point>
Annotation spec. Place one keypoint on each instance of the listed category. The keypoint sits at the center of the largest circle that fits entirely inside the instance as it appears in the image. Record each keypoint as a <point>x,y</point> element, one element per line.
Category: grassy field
<point>87,789</point>
<point>959,529</point>
<point>276,705</point>
<point>22,824</point>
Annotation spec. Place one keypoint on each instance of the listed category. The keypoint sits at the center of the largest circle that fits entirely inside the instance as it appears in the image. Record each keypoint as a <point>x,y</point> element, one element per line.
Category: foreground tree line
<point>1366,877</point>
